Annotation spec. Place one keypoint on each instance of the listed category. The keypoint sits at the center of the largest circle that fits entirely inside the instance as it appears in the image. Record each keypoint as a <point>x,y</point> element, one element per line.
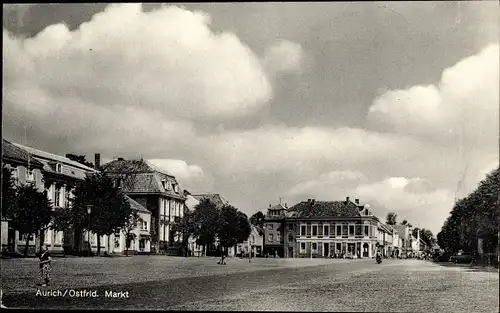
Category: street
<point>159,282</point>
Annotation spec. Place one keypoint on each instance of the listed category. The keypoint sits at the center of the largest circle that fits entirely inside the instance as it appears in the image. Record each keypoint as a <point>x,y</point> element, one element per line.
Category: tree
<point>110,209</point>
<point>80,159</point>
<point>404,222</point>
<point>391,218</point>
<point>205,222</point>
<point>235,227</point>
<point>8,191</point>
<point>258,219</point>
<point>31,213</point>
<point>128,227</point>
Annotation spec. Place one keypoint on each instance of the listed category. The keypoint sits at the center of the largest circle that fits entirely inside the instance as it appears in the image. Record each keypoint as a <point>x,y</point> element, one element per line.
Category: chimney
<point>309,200</point>
<point>313,201</point>
<point>97,161</point>
<point>347,199</point>
<point>270,205</point>
<point>356,201</point>
<point>286,206</point>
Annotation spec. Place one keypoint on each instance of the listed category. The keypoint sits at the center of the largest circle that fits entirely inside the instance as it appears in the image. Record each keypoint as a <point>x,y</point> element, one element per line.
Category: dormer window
<point>118,183</point>
<point>164,184</point>
<point>30,175</point>
<point>59,168</point>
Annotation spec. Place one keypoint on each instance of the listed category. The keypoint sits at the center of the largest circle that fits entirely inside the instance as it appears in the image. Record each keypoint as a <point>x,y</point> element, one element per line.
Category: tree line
<point>30,212</point>
<point>208,223</point>
<point>474,217</point>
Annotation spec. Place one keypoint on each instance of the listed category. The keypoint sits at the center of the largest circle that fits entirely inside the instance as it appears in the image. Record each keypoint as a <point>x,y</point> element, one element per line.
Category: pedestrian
<point>45,267</point>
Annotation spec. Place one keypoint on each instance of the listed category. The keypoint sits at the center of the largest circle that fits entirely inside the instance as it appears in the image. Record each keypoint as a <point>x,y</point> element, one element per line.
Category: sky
<point>396,104</point>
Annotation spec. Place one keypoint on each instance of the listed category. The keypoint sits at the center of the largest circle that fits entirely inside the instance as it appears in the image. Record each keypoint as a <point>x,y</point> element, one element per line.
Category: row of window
<point>171,207</point>
<point>343,230</point>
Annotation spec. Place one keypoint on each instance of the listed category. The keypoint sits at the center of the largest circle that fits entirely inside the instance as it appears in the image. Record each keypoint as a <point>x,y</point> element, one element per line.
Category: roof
<point>54,157</point>
<point>311,209</point>
<point>136,206</point>
<point>13,152</point>
<point>278,206</point>
<point>401,229</point>
<point>215,198</point>
<point>132,166</point>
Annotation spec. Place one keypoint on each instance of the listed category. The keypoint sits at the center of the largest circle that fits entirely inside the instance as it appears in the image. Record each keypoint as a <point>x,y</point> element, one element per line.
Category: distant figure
<point>222,255</point>
<point>45,267</point>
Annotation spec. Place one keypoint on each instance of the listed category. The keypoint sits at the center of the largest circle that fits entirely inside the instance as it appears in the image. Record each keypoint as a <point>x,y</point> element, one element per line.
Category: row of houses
<point>334,229</point>
<point>152,192</point>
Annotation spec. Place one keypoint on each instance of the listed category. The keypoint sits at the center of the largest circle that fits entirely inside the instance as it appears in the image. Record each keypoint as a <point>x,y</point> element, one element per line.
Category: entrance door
<point>365,250</point>
<point>290,252</point>
<point>326,249</point>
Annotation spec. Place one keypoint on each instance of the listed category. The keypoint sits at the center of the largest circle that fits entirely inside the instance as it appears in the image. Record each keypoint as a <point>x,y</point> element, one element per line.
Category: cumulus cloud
<point>167,61</point>
<point>284,56</point>
<point>179,168</point>
<point>462,108</point>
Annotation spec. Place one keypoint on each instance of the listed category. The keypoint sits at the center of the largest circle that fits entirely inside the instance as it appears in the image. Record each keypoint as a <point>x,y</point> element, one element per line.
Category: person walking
<point>45,267</point>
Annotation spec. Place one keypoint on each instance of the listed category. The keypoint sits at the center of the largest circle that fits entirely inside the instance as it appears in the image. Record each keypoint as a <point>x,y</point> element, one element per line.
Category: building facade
<point>274,230</point>
<point>140,242</point>
<point>157,191</point>
<point>25,170</point>
<point>254,244</point>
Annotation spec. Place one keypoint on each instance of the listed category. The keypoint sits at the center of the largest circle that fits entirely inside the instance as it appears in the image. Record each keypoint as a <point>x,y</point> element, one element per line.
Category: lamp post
<point>89,210</point>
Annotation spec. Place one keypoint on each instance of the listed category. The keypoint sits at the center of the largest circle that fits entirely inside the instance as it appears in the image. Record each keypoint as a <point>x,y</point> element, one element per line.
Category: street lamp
<point>89,210</point>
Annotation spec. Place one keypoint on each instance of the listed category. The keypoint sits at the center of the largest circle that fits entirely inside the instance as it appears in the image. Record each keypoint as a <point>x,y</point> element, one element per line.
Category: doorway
<point>326,249</point>
<point>365,250</point>
<point>290,252</point>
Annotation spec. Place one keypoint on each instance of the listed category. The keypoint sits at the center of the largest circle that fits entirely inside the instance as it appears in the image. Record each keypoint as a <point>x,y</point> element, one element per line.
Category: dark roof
<point>53,157</point>
<point>12,152</point>
<point>324,209</point>
<point>127,166</point>
<point>215,198</point>
<point>136,206</point>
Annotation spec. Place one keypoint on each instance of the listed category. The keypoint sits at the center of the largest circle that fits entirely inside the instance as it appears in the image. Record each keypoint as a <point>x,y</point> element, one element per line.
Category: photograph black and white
<point>274,156</point>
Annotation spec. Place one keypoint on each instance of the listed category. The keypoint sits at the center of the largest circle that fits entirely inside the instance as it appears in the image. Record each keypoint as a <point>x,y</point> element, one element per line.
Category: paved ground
<point>159,282</point>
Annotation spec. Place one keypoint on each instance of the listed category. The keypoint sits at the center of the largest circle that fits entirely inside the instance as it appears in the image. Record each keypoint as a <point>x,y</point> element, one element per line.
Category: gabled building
<point>274,230</point>
<point>253,244</point>
<point>25,170</point>
<point>60,176</point>
<point>157,191</point>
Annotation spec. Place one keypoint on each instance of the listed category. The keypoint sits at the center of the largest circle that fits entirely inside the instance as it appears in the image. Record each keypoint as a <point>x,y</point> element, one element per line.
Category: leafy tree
<point>80,159</point>
<point>258,219</point>
<point>204,223</point>
<point>243,228</point>
<point>235,227</point>
<point>8,191</point>
<point>128,227</point>
<point>31,213</point>
<point>391,218</point>
<point>110,208</point>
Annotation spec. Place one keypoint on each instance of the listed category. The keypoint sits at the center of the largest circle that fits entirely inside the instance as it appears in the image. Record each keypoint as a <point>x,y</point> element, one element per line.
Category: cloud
<point>462,108</point>
<point>284,56</point>
<point>179,168</point>
<point>426,208</point>
<point>167,60</point>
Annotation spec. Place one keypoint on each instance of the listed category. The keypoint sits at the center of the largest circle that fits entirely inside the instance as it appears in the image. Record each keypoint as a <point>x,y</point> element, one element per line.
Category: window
<point>270,238</point>
<point>59,167</point>
<point>164,184</point>
<point>57,196</point>
<point>118,183</point>
<point>303,230</point>
<point>314,246</point>
<point>302,246</point>
<point>30,175</point>
<point>339,230</point>
<point>344,230</point>
<point>174,187</point>
<point>145,225</point>
<point>315,230</point>
<point>290,226</point>
<point>366,231</point>
<point>278,237</point>
<point>21,236</point>
<point>326,229</point>
<point>358,230</point>
<point>351,230</point>
<point>290,238</point>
